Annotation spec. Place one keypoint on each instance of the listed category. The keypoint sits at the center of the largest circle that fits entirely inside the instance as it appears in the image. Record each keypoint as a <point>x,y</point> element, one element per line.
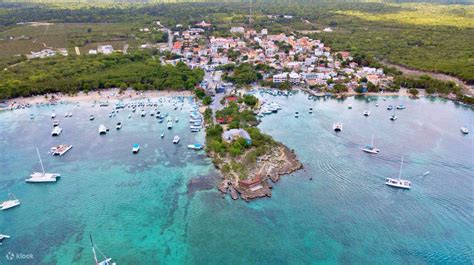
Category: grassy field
<point>65,35</point>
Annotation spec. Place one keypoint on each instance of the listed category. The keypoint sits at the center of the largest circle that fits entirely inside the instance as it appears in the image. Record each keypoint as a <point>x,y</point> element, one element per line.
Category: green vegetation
<point>140,70</point>
<point>244,74</point>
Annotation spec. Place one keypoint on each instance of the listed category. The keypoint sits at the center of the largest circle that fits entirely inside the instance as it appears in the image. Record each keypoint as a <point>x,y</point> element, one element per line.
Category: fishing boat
<point>297,114</point>
<point>119,126</point>
<point>401,106</point>
<point>176,139</point>
<point>56,131</point>
<point>10,203</point>
<point>390,107</point>
<point>102,129</point>
<point>135,148</point>
<point>195,146</point>
<point>42,177</point>
<point>366,113</point>
<point>60,149</point>
<point>106,261</point>
<point>370,148</point>
<point>337,126</point>
<point>91,117</point>
<point>464,130</point>
<point>169,125</point>
<point>399,183</point>
<point>162,134</point>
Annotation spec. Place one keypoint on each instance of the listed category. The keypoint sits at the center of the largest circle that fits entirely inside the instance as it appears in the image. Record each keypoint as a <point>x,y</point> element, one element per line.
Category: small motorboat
<point>337,126</point>
<point>349,107</point>
<point>366,113</point>
<point>91,117</point>
<point>135,148</point>
<point>169,125</point>
<point>119,126</point>
<point>53,115</point>
<point>162,134</point>
<point>464,130</point>
<point>195,146</point>
<point>176,139</point>
<point>393,117</point>
<point>55,123</point>
<point>390,107</point>
<point>401,106</point>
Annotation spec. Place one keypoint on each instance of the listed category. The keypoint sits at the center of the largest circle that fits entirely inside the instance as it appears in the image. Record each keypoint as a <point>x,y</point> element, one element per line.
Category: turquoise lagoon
<point>161,206</point>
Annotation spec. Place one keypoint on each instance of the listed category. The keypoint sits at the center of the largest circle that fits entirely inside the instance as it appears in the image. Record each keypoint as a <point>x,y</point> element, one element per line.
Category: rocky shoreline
<point>279,161</point>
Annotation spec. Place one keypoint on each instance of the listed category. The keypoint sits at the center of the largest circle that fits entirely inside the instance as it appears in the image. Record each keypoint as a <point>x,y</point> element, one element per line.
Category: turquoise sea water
<point>161,206</point>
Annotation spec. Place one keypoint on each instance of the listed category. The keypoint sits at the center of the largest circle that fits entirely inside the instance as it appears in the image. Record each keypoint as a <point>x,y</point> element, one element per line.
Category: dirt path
<point>439,76</point>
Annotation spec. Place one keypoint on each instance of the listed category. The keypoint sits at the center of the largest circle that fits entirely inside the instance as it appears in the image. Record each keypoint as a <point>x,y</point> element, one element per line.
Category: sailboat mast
<point>401,166</point>
<point>93,250</point>
<point>41,162</point>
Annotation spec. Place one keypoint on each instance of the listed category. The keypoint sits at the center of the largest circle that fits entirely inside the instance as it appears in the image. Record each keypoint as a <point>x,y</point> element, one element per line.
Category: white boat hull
<point>396,183</point>
<point>38,177</point>
<point>9,204</point>
<point>371,151</point>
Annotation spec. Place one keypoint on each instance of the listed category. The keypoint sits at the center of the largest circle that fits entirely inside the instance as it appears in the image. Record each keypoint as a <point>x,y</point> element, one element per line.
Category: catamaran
<point>42,177</point>
<point>106,261</point>
<point>56,131</point>
<point>12,202</point>
<point>370,148</point>
<point>399,183</point>
<point>60,149</point>
<point>102,129</point>
<point>176,139</point>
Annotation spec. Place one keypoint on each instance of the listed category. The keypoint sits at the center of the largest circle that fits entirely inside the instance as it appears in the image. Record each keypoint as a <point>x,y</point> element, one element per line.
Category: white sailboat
<point>12,202</point>
<point>106,261</point>
<point>370,148</point>
<point>399,183</point>
<point>42,177</point>
<point>2,237</point>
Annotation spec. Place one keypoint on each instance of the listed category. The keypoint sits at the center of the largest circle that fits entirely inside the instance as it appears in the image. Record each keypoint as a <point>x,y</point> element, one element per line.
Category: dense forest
<point>140,70</point>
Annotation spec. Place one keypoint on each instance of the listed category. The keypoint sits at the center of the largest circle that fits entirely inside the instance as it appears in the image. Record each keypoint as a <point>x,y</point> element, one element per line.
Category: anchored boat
<point>42,177</point>
<point>399,183</point>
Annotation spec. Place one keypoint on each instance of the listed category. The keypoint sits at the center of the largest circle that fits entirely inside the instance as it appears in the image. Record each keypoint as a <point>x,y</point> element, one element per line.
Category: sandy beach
<point>102,95</point>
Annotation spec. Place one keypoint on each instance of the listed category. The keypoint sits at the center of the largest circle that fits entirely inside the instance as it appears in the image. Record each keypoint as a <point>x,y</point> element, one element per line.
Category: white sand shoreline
<point>97,96</point>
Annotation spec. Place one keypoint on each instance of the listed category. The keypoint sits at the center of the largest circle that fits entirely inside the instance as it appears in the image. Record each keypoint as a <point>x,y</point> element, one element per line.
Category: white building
<point>295,78</point>
<point>237,30</point>
<point>105,49</point>
<point>280,78</point>
<point>264,32</point>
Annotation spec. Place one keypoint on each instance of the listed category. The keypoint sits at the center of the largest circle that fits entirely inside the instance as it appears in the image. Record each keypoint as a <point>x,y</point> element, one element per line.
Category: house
<point>280,78</point>
<point>203,24</point>
<point>264,32</point>
<point>105,49</point>
<point>234,134</point>
<point>237,30</point>
<point>252,184</point>
<point>295,78</point>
